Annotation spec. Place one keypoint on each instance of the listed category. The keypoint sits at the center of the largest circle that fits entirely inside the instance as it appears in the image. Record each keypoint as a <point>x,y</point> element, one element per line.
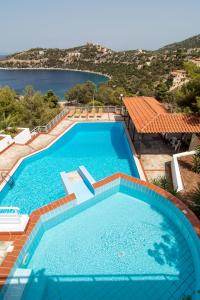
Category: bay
<point>59,81</point>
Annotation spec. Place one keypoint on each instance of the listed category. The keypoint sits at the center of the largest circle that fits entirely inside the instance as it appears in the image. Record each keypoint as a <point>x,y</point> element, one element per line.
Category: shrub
<point>196,160</point>
<point>195,197</point>
<point>95,103</point>
<point>163,183</point>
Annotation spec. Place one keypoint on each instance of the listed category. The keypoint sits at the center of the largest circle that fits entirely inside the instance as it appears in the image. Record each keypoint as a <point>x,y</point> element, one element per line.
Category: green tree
<point>36,109</point>
<point>106,95</point>
<point>10,108</point>
<point>161,91</point>
<point>192,70</point>
<point>196,160</point>
<point>82,93</point>
<point>109,95</point>
<point>51,99</point>
<point>188,96</point>
<point>7,101</point>
<point>195,197</point>
<point>29,110</point>
<point>33,106</point>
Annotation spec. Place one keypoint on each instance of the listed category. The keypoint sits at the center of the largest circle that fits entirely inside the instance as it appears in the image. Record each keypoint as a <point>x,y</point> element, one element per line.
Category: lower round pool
<point>115,246</point>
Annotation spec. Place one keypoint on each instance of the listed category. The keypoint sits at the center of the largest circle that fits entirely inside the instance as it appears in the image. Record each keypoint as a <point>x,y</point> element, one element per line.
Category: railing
<point>9,215</point>
<point>105,109</point>
<point>52,123</point>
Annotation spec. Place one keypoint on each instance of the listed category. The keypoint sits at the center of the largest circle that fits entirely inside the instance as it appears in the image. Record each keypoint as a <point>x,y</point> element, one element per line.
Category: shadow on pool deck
<point>104,287</point>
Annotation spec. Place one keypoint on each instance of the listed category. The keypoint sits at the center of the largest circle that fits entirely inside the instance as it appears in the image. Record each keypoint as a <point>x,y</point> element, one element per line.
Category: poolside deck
<point>11,155</point>
<point>156,157</point>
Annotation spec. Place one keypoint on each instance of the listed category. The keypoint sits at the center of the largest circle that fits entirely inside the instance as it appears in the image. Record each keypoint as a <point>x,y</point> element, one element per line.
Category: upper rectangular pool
<point>103,148</point>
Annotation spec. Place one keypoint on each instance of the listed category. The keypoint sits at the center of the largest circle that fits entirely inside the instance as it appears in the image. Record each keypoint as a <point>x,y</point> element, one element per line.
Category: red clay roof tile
<point>150,116</point>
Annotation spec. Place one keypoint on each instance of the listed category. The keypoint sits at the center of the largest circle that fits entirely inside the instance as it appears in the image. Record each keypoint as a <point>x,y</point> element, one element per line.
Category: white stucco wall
<point>176,174</point>
<point>5,142</point>
<point>23,137</point>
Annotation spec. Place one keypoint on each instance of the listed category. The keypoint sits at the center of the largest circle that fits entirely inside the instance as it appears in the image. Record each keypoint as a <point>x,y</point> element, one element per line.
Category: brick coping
<point>19,239</point>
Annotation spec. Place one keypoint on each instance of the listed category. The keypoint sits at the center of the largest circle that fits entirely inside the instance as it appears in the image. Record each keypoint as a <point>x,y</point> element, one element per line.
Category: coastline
<point>57,69</point>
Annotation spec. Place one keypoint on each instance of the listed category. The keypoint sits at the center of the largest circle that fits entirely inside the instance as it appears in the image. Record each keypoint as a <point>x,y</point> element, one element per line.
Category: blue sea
<point>59,81</point>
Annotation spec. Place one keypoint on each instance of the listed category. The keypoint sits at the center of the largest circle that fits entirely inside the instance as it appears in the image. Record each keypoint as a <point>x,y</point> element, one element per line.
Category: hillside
<point>137,71</point>
<point>192,42</point>
<point>78,57</point>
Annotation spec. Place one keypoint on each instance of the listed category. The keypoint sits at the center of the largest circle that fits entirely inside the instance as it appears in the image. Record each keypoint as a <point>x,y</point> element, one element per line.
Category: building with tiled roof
<point>150,116</point>
<point>196,61</point>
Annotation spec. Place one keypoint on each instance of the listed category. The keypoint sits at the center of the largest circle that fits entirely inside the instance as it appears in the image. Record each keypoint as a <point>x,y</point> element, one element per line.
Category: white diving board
<point>79,182</point>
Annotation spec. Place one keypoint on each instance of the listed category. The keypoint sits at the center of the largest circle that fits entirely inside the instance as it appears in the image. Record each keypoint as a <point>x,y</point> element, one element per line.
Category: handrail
<point>9,207</point>
<point>108,109</point>
<point>45,128</point>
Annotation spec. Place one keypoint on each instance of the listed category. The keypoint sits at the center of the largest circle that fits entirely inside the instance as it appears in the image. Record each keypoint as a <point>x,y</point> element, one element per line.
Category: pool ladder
<point>8,179</point>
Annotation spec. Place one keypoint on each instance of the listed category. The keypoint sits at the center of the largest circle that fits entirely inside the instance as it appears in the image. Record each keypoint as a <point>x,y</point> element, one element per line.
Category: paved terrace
<point>155,156</point>
<point>149,119</point>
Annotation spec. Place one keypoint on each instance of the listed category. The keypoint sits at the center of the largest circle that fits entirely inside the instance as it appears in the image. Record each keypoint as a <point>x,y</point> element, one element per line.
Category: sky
<point>120,25</point>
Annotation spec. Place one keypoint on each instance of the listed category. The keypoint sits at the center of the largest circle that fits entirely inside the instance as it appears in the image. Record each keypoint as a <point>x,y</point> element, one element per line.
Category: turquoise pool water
<point>101,147</point>
<point>118,247</point>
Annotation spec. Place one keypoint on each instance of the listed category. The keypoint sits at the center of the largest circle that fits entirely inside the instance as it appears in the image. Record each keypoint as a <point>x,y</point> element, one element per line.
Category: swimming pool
<point>126,243</point>
<point>102,148</point>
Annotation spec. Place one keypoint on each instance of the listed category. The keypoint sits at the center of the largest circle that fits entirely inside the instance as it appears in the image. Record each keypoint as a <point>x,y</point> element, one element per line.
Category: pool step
<point>35,288</point>
<point>79,182</point>
<point>17,284</point>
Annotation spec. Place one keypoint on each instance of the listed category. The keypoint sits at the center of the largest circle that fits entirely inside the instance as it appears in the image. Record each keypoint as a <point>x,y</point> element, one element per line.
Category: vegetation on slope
<point>192,42</point>
<point>87,93</point>
<point>187,97</point>
<point>195,203</point>
<point>31,110</point>
<point>134,72</point>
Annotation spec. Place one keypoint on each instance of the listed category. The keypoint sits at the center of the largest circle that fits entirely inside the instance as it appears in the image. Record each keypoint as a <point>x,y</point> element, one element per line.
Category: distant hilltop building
<point>179,73</point>
<point>179,78</point>
<point>74,54</point>
<point>140,51</point>
<point>41,52</point>
<point>192,50</point>
<point>196,61</point>
<point>100,48</point>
